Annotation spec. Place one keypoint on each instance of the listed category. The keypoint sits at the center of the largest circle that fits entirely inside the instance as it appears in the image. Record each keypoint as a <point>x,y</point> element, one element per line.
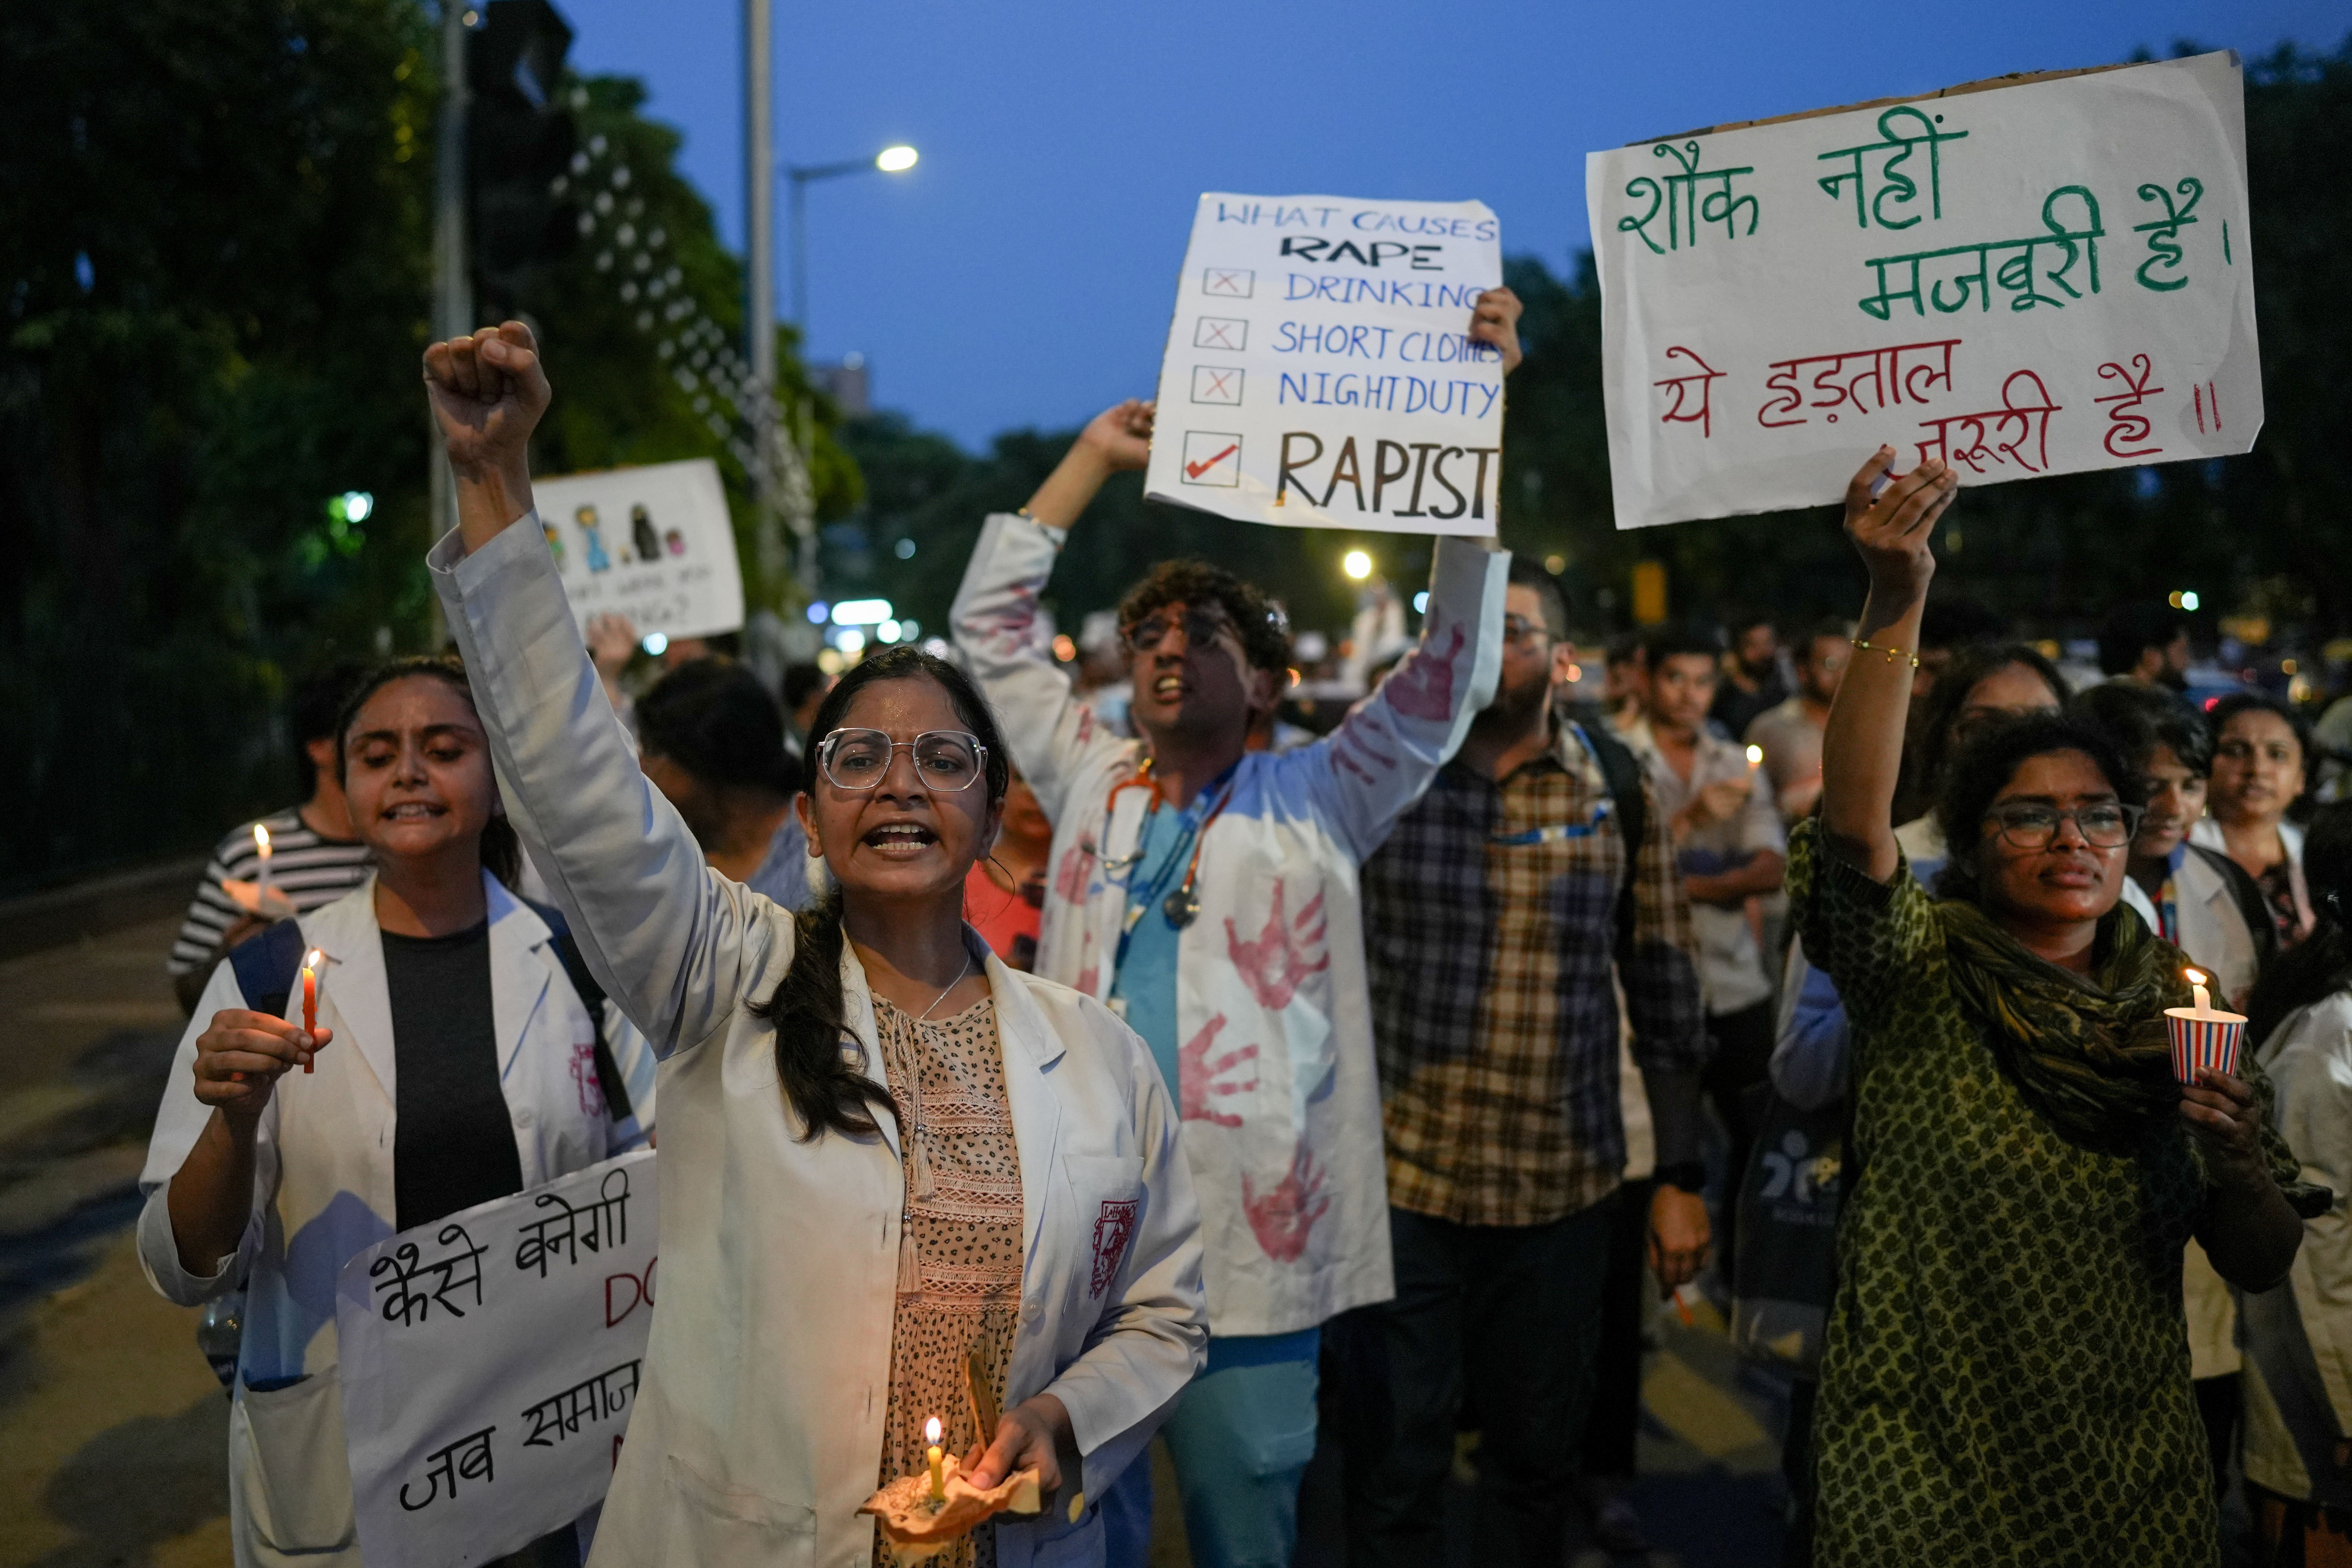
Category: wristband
<point>1689,1176</point>
<point>1892,653</point>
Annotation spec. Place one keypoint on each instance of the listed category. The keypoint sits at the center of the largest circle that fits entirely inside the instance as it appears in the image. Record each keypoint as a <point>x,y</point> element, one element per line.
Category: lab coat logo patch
<point>1114,1228</point>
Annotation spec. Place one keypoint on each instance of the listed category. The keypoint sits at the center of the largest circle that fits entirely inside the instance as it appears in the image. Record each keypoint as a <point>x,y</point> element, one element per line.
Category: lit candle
<point>312,963</point>
<point>938,1481</point>
<point>1755,758</point>
<point>2197,978</point>
<point>2204,1037</point>
<point>261,848</point>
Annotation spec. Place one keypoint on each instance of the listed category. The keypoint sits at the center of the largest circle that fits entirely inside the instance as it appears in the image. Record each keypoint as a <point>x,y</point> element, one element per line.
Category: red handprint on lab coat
<point>1423,685</point>
<point>1198,1077</point>
<point>1281,1216</point>
<point>1273,963</point>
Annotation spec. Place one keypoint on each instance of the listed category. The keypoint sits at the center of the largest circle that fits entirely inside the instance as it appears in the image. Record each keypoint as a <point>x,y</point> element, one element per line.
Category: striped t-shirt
<point>307,867</point>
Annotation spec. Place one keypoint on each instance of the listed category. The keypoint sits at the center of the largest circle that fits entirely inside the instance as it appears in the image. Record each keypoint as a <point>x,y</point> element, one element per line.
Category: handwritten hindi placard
<point>1319,370</point>
<point>652,544</point>
<point>2024,279</point>
<point>489,1362</point>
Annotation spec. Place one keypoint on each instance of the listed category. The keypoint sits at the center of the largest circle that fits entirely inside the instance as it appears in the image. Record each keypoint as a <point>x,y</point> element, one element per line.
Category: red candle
<point>311,962</point>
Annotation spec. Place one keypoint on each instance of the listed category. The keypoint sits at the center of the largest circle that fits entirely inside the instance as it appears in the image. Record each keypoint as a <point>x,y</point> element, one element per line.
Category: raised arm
<point>674,942</point>
<point>1054,736</point>
<point>1890,521</point>
<point>1383,754</point>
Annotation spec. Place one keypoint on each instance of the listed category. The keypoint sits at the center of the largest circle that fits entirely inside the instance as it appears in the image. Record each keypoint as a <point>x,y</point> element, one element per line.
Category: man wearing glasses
<point>1536,866</point>
<point>1209,893</point>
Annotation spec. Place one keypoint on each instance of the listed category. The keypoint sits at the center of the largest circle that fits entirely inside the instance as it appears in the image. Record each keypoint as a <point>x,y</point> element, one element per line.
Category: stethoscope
<point>1183,906</point>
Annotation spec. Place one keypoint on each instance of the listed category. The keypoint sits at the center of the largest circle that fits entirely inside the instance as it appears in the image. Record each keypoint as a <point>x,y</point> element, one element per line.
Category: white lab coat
<point>758,1427</point>
<point>2207,831</point>
<point>1278,1091</point>
<point>323,1192</point>
<point>2298,1336</point>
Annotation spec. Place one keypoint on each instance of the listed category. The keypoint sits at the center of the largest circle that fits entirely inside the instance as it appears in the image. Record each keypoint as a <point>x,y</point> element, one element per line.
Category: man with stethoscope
<point>1211,893</point>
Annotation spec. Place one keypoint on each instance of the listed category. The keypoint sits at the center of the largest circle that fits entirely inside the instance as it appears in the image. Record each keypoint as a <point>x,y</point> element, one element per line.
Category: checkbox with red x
<point>1230,282</point>
<point>1220,333</point>
<point>1217,384</point>
<point>1213,458</point>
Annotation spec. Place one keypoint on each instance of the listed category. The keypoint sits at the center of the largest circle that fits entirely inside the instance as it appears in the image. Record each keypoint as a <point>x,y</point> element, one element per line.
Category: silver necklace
<point>942,996</point>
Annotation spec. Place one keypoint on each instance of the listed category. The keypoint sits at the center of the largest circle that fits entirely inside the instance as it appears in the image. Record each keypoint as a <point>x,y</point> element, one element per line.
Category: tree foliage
<point>216,252</point>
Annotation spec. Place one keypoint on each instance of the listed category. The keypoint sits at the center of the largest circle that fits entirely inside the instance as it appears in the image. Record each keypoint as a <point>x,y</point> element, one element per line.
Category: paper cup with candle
<point>2203,1037</point>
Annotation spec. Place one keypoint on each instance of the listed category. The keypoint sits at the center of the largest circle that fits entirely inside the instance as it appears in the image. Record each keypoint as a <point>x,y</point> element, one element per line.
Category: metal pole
<point>759,265</point>
<point>453,282</point>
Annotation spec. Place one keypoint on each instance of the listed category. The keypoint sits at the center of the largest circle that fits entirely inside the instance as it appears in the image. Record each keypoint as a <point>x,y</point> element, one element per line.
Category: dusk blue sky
<point>1024,272</point>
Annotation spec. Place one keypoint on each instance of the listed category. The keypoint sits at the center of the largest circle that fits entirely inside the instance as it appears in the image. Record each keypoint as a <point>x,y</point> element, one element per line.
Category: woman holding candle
<point>2299,1340</point>
<point>895,1167</point>
<point>2261,767</point>
<point>448,1044</point>
<point>2005,1377</point>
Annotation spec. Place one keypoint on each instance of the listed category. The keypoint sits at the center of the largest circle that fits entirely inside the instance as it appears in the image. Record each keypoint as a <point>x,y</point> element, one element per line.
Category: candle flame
<point>261,840</point>
<point>314,960</point>
<point>931,1431</point>
<point>2196,976</point>
<point>1755,756</point>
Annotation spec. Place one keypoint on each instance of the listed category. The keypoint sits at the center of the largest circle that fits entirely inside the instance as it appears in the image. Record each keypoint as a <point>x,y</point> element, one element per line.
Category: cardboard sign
<point>2019,278</point>
<point>489,1362</point>
<point>1319,369</point>
<point>652,544</point>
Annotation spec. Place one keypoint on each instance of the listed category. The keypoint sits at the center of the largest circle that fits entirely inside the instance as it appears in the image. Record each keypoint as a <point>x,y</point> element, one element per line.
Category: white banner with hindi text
<point>489,1362</point>
<point>1319,370</point>
<point>2021,278</point>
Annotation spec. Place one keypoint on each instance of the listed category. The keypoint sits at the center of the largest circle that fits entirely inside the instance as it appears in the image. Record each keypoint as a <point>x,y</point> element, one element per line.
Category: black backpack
<point>1622,770</point>
<point>268,965</point>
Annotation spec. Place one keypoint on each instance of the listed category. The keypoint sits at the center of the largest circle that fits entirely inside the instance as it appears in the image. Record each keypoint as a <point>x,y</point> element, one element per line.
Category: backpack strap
<point>592,995</point>
<point>267,965</point>
<point>1622,770</point>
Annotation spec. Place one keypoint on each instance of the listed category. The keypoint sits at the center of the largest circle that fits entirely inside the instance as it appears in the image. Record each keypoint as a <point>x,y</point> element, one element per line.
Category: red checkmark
<point>1195,470</point>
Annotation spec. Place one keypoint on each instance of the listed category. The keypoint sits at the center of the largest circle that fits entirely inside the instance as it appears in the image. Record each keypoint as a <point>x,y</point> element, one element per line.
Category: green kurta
<point>2005,1375</point>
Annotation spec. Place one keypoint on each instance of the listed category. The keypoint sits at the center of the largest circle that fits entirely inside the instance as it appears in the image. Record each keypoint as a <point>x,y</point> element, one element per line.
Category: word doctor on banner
<point>489,1363</point>
<point>652,544</point>
<point>1321,371</point>
<point>2020,277</point>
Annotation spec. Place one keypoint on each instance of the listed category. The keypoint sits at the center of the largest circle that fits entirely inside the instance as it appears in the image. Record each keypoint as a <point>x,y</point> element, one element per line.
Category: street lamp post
<point>889,160</point>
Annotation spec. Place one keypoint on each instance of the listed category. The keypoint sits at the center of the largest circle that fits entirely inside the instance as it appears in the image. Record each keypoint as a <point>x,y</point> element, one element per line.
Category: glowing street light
<point>1357,564</point>
<point>896,159</point>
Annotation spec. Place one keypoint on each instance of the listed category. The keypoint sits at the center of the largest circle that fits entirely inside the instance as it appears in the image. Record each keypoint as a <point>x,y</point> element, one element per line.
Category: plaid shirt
<point>1490,944</point>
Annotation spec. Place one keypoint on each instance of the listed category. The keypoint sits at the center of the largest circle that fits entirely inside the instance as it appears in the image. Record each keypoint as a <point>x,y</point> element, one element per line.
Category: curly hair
<point>1264,630</point>
<point>1986,762</point>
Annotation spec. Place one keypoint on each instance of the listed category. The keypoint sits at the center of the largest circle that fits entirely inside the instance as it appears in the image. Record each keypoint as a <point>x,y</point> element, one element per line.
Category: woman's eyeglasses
<point>2108,824</point>
<point>944,759</point>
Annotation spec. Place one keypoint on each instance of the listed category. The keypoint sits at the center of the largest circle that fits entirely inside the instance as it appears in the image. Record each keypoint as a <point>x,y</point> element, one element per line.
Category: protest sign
<point>490,1360</point>
<point>652,544</point>
<point>2020,277</point>
<point>1319,369</point>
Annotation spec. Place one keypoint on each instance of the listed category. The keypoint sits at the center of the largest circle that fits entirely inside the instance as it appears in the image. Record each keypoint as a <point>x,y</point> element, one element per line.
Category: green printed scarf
<point>2091,1052</point>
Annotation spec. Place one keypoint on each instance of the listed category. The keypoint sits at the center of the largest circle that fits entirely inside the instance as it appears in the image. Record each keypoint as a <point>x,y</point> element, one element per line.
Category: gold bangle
<point>1892,653</point>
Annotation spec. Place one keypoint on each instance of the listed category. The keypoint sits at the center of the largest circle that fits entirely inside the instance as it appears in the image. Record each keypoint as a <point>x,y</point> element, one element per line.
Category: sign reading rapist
<point>489,1362</point>
<point>2018,276</point>
<point>1319,369</point>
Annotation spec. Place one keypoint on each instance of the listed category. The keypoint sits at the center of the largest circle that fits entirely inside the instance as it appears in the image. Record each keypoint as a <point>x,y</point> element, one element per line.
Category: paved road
<point>113,1433</point>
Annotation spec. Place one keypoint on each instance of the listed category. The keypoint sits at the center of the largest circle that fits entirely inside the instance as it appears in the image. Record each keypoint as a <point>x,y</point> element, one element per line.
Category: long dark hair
<point>1939,717</point>
<point>1987,760</point>
<point>501,850</point>
<point>2321,964</point>
<point>828,1090</point>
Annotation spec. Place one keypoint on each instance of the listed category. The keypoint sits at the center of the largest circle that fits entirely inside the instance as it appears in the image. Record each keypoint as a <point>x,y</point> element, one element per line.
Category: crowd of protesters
<point>1819,984</point>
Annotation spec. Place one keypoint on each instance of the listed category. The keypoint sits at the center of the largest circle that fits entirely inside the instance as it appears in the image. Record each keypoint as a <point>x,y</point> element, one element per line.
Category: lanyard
<point>1183,906</point>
